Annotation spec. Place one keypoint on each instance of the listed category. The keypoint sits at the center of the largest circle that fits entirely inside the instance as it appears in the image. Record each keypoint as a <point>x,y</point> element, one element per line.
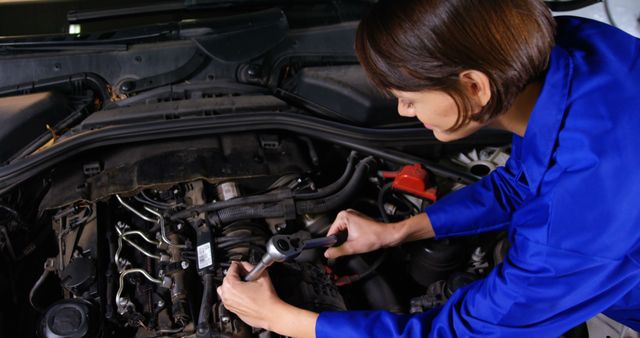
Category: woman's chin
<point>443,136</point>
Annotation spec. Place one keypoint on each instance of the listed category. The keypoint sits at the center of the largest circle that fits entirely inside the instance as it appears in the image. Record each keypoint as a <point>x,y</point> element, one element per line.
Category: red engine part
<point>412,179</point>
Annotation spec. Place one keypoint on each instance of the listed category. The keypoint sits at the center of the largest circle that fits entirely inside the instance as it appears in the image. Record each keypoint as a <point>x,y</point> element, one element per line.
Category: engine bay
<point>145,262</point>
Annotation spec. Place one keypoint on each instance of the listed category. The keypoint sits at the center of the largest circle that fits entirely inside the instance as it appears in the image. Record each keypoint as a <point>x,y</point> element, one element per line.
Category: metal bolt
<point>167,282</point>
<point>160,303</point>
<point>125,87</point>
<point>185,265</point>
<point>180,226</point>
<point>225,319</point>
<point>161,273</point>
<point>281,227</point>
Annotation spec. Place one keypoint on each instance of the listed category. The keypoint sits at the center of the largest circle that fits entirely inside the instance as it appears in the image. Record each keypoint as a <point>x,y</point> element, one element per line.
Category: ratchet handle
<point>257,271</point>
<point>325,242</point>
<point>340,237</point>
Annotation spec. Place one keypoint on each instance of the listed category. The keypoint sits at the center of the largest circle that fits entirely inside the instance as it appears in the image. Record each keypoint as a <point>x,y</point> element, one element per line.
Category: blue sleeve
<point>486,205</point>
<point>538,291</point>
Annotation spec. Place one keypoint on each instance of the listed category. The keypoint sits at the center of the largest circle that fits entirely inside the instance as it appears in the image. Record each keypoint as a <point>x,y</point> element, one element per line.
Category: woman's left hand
<point>253,302</point>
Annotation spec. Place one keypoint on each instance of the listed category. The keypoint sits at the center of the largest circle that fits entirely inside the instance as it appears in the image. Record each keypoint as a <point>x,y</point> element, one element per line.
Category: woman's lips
<point>428,126</point>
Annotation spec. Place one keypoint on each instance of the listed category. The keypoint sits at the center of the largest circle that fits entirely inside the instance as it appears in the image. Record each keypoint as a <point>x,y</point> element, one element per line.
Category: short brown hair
<point>413,45</point>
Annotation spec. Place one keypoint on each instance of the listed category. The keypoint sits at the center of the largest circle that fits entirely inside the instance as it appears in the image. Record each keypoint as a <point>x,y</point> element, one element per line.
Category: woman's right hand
<point>365,234</point>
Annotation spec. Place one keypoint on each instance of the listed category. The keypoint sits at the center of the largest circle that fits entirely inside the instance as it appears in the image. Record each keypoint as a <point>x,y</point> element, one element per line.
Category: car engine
<point>148,260</point>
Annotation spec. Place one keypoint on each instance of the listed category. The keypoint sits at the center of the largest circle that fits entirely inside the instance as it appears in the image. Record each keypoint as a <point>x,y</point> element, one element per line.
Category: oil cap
<point>70,318</point>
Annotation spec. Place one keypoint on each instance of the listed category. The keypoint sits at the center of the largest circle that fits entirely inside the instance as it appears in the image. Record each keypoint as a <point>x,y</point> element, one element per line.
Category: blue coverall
<point>569,198</point>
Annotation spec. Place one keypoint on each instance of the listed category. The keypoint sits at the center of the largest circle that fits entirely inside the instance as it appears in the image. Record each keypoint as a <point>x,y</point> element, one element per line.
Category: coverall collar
<point>546,118</point>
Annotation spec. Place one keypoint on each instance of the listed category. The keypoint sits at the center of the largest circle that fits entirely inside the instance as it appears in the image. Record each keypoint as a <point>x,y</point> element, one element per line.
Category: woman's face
<point>437,111</point>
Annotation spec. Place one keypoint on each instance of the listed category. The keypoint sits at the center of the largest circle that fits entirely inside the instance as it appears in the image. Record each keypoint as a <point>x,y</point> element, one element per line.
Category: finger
<point>246,267</point>
<point>333,253</point>
<point>339,224</point>
<point>220,293</point>
<point>232,272</point>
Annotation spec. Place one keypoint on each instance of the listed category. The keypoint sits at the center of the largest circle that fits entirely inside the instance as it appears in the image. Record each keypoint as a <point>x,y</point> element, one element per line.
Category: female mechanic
<point>569,91</point>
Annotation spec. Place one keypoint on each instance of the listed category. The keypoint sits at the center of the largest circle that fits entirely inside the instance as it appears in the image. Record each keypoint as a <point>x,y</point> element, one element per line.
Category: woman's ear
<point>477,86</point>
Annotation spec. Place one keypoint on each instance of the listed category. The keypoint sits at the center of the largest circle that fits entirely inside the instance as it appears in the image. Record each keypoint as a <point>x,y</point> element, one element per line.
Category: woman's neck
<point>517,117</point>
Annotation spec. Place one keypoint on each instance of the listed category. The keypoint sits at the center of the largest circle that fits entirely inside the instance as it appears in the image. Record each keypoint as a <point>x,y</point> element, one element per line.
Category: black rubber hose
<point>158,204</point>
<point>376,288</point>
<point>150,203</point>
<point>241,241</point>
<point>403,158</point>
<point>333,187</point>
<point>205,305</point>
<point>383,191</point>
<point>274,196</point>
<point>363,275</point>
<point>223,240</point>
<point>302,207</point>
<point>335,201</point>
<point>248,212</point>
